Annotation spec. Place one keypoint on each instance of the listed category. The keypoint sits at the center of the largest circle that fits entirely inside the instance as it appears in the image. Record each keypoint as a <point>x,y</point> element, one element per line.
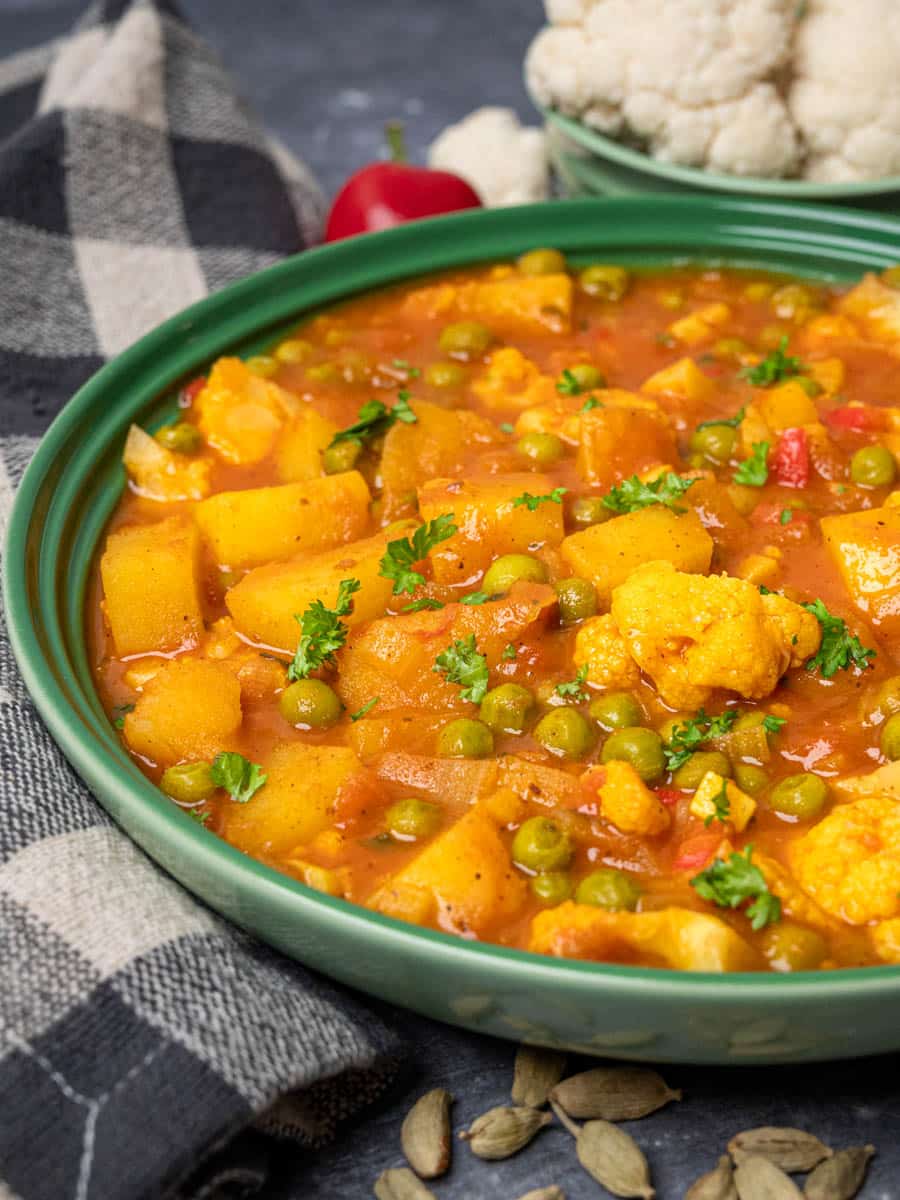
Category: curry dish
<point>556,607</point>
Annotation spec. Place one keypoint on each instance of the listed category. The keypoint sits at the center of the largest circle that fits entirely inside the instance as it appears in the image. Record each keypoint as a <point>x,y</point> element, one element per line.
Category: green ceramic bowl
<point>74,482</point>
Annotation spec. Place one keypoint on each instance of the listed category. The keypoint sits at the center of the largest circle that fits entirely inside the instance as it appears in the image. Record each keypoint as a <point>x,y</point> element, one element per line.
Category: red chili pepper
<point>792,459</point>
<point>857,419</point>
<point>192,390</point>
<point>388,193</point>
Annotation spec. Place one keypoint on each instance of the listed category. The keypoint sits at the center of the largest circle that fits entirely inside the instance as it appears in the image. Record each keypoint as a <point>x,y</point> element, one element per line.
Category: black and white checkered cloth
<point>138,1032</point>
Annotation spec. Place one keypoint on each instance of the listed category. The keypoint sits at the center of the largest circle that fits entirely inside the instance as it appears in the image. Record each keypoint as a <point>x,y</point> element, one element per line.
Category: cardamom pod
<point>839,1177</point>
<point>758,1178</point>
<point>545,1193</point>
<point>501,1132</point>
<point>790,1149</point>
<point>613,1093</point>
<point>613,1158</point>
<point>717,1184</point>
<point>425,1134</point>
<point>399,1183</point>
<point>535,1073</point>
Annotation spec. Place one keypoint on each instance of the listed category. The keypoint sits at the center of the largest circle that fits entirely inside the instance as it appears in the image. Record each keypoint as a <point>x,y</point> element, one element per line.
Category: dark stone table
<point>326,75</point>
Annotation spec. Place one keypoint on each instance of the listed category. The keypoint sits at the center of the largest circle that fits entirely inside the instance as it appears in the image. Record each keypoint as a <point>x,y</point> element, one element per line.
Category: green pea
<point>729,348</point>
<point>310,704</point>
<point>565,731</point>
<point>543,449</point>
<point>294,350</point>
<point>188,782</point>
<point>469,339</point>
<point>809,385</point>
<point>506,570</point>
<point>182,437</point>
<point>790,947</point>
<point>445,375</point>
<point>585,511</point>
<point>800,796</point>
<point>891,277</point>
<point>506,708</point>
<point>873,466</point>
<point>607,282</point>
<point>540,845</point>
<point>886,701</point>
<point>890,738</point>
<point>642,748</point>
<point>610,889</point>
<point>412,819</point>
<point>616,710</point>
<point>552,887</point>
<point>750,779</point>
<point>323,373</point>
<point>541,262</point>
<point>689,775</point>
<point>340,457</point>
<point>667,729</point>
<point>587,376</point>
<point>465,738</point>
<point>714,442</point>
<point>263,365</point>
<point>577,599</point>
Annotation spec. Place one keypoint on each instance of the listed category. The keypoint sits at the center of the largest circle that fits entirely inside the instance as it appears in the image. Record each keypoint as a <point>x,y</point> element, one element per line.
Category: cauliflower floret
<point>627,802</point>
<point>885,939</point>
<point>800,632</point>
<point>513,381</point>
<point>850,862</point>
<point>503,160</point>
<point>601,648</point>
<point>694,633</point>
<point>845,95</point>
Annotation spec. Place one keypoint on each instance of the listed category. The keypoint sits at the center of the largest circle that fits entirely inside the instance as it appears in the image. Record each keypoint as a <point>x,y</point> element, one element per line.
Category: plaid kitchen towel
<point>138,1032</point>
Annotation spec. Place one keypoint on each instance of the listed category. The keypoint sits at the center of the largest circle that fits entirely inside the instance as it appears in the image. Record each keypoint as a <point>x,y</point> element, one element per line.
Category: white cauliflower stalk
<point>504,161</point>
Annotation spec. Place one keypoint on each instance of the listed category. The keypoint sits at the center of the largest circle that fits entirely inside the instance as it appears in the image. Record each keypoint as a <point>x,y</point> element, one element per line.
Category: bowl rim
<point>105,771</point>
<point>697,177</point>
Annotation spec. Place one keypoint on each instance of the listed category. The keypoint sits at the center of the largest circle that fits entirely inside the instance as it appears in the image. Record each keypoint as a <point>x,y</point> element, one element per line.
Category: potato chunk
<point>628,434</point>
<point>627,802</point>
<point>432,446</point>
<point>240,413</point>
<point>865,547</point>
<point>151,586</point>
<point>608,553</point>
<point>298,451</point>
<point>160,474</point>
<point>876,306</point>
<point>296,801</point>
<point>683,378</point>
<point>189,710</point>
<point>741,807</point>
<point>512,382</point>
<point>677,937</point>
<point>786,406</point>
<point>261,525</point>
<point>515,304</point>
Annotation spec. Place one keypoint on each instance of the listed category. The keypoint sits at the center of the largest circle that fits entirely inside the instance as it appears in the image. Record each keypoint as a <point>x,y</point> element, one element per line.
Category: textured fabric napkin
<point>138,1032</point>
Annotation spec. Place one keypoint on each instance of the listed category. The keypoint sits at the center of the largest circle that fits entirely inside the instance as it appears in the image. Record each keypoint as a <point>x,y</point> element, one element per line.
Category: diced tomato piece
<point>669,796</point>
<point>792,459</point>
<point>856,419</point>
<point>192,390</point>
<point>695,852</point>
<point>771,514</point>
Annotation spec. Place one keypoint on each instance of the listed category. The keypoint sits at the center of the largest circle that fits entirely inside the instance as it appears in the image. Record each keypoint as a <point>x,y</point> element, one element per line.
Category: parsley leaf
<point>773,724</point>
<point>689,735</point>
<point>730,883</point>
<point>568,385</point>
<point>461,663</point>
<point>240,777</point>
<point>731,422</point>
<point>423,603</point>
<point>721,804</point>
<point>754,471</point>
<point>120,710</point>
<point>632,495</point>
<point>786,516</point>
<point>573,688</point>
<point>506,427</point>
<point>774,367</point>
<point>375,419</point>
<point>198,814</point>
<point>322,632</point>
<point>402,555</point>
<point>509,652</point>
<point>475,598</point>
<point>591,403</point>
<point>839,649</point>
<point>402,365</point>
<point>366,708</point>
<point>532,502</point>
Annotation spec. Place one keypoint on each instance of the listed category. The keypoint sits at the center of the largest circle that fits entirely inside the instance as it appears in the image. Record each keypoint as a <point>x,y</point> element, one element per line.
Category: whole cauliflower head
<point>693,79</point>
<point>503,160</point>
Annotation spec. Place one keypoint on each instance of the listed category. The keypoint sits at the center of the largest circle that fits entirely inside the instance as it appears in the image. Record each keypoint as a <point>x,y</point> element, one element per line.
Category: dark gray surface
<point>326,76</point>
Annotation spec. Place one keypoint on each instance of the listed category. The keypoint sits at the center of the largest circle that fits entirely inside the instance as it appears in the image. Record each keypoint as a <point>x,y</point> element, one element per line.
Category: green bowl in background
<point>75,480</point>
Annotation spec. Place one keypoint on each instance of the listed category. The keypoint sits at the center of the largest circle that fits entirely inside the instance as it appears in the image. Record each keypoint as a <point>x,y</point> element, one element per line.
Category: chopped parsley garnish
<point>506,427</point>
<point>786,516</point>
<point>402,555</point>
<point>632,494</point>
<point>774,367</point>
<point>423,603</point>
<point>240,777</point>
<point>591,403</point>
<point>754,471</point>
<point>773,724</point>
<point>475,598</point>
<point>461,663</point>
<point>573,689</point>
<point>665,340</point>
<point>198,814</point>
<point>509,652</point>
<point>402,365</point>
<point>532,502</point>
<point>731,422</point>
<point>721,806</point>
<point>120,711</point>
<point>764,591</point>
<point>689,735</point>
<point>839,649</point>
<point>729,884</point>
<point>366,708</point>
<point>322,632</point>
<point>375,419</point>
<point>568,385</point>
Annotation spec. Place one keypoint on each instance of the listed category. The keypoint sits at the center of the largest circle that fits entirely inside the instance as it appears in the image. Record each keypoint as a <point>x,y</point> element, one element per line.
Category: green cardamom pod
<point>717,1184</point>
<point>791,1149</point>
<point>501,1132</point>
<point>535,1073</point>
<point>613,1093</point>
<point>425,1134</point>
<point>400,1183</point>
<point>545,1193</point>
<point>841,1176</point>
<point>758,1178</point>
<point>614,1159</point>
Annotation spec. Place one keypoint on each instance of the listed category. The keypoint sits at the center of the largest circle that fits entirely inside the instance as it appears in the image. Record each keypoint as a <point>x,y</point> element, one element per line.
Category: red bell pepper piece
<point>669,796</point>
<point>695,852</point>
<point>792,459</point>
<point>388,193</point>
<point>857,419</point>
